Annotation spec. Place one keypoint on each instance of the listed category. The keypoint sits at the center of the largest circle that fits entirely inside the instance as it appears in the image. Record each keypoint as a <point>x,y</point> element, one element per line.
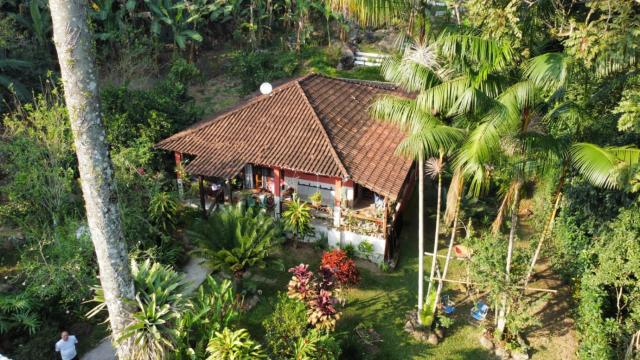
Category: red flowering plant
<point>322,311</point>
<point>302,285</point>
<point>343,268</point>
<point>316,294</point>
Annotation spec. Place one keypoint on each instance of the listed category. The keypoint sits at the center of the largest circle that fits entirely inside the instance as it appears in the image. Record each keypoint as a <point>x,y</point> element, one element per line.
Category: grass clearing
<point>381,299</point>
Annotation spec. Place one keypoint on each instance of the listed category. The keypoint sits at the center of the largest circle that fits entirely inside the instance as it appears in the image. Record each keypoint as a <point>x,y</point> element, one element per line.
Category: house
<point>309,135</point>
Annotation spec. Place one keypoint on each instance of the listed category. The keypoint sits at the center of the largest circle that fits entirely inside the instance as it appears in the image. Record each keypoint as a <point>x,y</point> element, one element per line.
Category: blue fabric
<point>479,312</point>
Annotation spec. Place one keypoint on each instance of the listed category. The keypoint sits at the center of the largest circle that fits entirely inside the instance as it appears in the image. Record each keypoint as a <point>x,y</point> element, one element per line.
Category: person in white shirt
<point>66,346</point>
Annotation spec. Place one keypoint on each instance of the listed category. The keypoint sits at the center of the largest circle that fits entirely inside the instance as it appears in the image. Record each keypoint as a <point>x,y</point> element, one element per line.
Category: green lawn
<point>381,299</point>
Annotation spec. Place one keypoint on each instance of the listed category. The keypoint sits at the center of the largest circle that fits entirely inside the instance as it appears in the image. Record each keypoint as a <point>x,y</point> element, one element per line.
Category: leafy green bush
<point>234,345</point>
<point>131,115</point>
<point>40,162</point>
<point>285,326</point>
<point>235,239</point>
<point>365,248</point>
<point>349,249</point>
<point>256,67</point>
<point>609,308</point>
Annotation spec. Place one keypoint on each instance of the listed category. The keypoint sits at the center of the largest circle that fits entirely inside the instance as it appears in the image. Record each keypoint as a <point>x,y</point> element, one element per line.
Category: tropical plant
<point>235,239</point>
<point>160,301</point>
<point>163,210</point>
<point>341,266</point>
<point>234,345</point>
<point>174,15</point>
<point>286,324</point>
<point>434,169</point>
<point>213,308</point>
<point>302,284</point>
<point>16,314</point>
<point>322,311</point>
<point>418,69</point>
<point>365,248</point>
<point>297,219</point>
<point>316,198</point>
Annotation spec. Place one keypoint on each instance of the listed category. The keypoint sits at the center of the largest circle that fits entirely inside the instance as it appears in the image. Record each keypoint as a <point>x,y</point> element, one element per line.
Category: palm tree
<point>235,239</point>
<point>435,168</point>
<point>613,167</point>
<point>76,55</point>
<point>454,198</point>
<point>417,70</point>
<point>297,219</point>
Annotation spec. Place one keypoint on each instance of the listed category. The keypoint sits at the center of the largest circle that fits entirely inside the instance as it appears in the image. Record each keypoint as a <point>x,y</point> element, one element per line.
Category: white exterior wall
<point>338,238</point>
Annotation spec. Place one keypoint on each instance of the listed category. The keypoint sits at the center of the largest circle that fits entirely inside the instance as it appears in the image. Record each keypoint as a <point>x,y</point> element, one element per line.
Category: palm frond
<point>371,12</point>
<point>548,71</point>
<point>408,75</point>
<point>497,54</point>
<point>597,164</point>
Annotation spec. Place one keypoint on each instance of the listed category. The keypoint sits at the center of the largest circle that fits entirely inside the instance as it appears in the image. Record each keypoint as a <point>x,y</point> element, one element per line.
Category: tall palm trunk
<point>502,313</point>
<point>456,186</point>
<point>548,227</point>
<point>545,232</point>
<point>420,235</point>
<point>77,64</point>
<point>436,237</point>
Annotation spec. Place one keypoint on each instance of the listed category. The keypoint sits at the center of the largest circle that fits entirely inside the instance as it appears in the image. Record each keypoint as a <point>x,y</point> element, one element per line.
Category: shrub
<point>316,197</point>
<point>316,294</point>
<point>343,268</point>
<point>322,310</point>
<point>349,249</point>
<point>234,240</point>
<point>365,248</point>
<point>302,285</point>
<point>285,326</point>
<point>316,346</point>
<point>297,219</point>
<point>234,345</point>
<point>256,67</point>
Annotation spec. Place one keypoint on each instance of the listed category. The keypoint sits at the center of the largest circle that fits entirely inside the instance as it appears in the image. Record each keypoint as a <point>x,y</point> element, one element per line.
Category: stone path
<point>194,273</point>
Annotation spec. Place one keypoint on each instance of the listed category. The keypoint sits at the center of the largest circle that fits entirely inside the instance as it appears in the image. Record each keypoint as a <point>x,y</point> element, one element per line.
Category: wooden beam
<point>477,284</point>
<point>444,256</point>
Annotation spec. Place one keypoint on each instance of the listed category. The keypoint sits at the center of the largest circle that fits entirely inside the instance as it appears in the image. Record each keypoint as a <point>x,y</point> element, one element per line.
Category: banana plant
<point>110,17</point>
<point>174,15</point>
<point>38,22</point>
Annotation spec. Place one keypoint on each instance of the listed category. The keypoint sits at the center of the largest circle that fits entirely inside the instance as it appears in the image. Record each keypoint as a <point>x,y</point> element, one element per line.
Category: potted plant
<point>316,198</point>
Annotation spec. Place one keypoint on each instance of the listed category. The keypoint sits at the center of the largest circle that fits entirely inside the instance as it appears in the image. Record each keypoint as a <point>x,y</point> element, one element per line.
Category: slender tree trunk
<point>420,235</point>
<point>451,242</point>
<point>77,64</point>
<point>548,227</point>
<point>502,314</point>
<point>436,237</point>
<point>547,230</point>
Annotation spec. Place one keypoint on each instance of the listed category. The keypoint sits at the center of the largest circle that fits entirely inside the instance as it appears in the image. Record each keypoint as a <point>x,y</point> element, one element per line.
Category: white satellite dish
<point>266,88</point>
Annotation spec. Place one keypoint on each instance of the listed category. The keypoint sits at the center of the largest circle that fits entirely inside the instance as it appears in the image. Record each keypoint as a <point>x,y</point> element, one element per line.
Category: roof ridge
<point>332,149</point>
<point>370,83</point>
<point>221,115</point>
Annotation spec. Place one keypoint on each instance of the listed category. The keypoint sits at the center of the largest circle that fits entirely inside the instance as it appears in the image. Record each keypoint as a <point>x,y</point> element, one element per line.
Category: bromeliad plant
<point>165,319</point>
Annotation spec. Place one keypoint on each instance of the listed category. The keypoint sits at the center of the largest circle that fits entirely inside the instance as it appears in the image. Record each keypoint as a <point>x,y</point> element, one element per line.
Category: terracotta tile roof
<point>314,124</point>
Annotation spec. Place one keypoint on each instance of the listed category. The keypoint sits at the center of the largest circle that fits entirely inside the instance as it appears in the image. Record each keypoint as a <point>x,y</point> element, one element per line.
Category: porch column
<point>226,190</point>
<point>203,204</point>
<point>336,203</point>
<point>178,157</point>
<point>276,190</point>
